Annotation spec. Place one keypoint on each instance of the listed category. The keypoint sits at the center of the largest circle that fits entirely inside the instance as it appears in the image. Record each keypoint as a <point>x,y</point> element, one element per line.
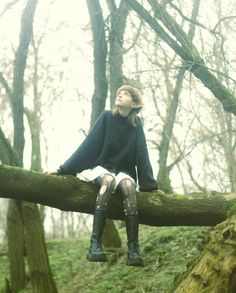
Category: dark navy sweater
<point>115,145</point>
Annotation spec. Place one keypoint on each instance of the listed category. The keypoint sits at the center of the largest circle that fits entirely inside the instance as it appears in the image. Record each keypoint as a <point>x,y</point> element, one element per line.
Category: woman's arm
<point>144,168</point>
<point>86,154</point>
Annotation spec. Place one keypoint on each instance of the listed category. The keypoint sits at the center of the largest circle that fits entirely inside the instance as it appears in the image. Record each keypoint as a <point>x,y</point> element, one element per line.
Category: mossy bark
<point>215,270</point>
<point>40,272</point>
<point>111,238</point>
<point>16,249</point>
<point>68,193</point>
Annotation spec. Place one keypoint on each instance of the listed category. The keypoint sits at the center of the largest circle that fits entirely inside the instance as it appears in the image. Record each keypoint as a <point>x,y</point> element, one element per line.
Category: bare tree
<point>185,49</point>
<point>25,215</point>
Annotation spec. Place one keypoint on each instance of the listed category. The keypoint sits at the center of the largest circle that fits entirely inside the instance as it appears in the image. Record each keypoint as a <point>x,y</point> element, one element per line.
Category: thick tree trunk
<point>40,272</point>
<point>70,194</point>
<point>215,270</point>
<point>40,275</point>
<point>14,220</point>
<point>16,249</point>
<point>15,229</point>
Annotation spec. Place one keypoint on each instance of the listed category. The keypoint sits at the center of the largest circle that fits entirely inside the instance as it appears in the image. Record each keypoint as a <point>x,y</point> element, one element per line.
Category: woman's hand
<point>158,191</point>
<point>51,173</point>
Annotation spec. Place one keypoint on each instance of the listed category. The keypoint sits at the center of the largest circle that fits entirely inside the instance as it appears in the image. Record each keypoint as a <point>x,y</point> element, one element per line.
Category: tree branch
<point>5,85</point>
<point>187,52</point>
<point>70,194</point>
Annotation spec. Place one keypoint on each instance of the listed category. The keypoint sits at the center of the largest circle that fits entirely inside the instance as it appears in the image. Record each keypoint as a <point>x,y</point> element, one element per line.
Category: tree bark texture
<point>215,270</point>
<point>15,229</point>
<point>40,272</point>
<point>24,217</point>
<point>68,193</point>
<point>16,249</point>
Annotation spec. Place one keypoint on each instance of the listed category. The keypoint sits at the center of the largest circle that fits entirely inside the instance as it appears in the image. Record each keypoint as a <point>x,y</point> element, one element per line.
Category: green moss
<point>178,197</point>
<point>232,208</point>
<point>166,252</point>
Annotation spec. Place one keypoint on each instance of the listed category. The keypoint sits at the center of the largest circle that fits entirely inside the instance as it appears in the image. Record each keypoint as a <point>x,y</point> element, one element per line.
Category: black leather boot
<point>96,252</point>
<point>134,258</point>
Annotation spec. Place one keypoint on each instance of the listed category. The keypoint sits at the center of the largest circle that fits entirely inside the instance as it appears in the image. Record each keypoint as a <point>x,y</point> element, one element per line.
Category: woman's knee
<point>127,185</point>
<point>107,182</point>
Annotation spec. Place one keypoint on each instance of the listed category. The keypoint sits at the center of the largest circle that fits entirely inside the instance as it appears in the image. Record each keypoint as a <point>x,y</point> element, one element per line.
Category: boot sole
<point>135,263</point>
<point>96,258</point>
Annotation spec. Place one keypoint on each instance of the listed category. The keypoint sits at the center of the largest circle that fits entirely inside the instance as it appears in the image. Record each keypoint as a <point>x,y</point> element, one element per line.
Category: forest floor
<point>167,251</point>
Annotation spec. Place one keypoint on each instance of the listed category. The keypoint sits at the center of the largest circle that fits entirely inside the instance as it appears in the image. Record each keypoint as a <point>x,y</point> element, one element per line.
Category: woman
<point>111,155</point>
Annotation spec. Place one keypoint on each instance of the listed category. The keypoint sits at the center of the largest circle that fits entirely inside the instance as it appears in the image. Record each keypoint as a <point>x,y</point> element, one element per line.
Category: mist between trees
<point>62,70</point>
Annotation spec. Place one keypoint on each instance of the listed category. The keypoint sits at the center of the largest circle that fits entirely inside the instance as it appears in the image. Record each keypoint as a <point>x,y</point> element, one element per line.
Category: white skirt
<point>89,175</point>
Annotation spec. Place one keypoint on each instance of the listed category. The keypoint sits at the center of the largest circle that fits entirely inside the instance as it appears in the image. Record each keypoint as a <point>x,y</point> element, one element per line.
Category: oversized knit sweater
<point>115,145</point>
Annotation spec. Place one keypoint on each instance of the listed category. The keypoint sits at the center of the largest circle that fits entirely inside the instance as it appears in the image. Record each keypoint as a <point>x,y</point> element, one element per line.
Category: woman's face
<point>125,100</point>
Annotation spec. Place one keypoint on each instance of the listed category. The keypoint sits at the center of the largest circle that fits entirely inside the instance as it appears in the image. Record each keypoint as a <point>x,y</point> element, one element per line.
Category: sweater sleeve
<point>86,154</point>
<point>144,168</point>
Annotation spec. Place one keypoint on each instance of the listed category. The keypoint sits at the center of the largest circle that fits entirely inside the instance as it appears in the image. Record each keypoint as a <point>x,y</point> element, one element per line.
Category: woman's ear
<point>136,105</point>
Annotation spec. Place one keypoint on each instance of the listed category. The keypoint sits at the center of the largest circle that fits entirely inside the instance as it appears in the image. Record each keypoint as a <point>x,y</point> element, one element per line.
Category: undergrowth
<point>167,251</point>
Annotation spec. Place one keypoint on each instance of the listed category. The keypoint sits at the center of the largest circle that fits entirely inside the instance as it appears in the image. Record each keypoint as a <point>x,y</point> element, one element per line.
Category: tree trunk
<point>18,77</point>
<point>118,19</point>
<point>7,155</point>
<point>100,54</point>
<point>15,229</point>
<point>35,128</point>
<point>111,238</point>
<point>100,88</point>
<point>68,193</point>
<point>16,249</point>
<point>215,270</point>
<point>16,234</point>
<point>163,176</point>
<point>40,273</point>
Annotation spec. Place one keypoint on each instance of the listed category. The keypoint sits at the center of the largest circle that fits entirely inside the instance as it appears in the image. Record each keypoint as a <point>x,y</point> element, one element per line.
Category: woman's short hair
<point>135,93</point>
<point>137,97</point>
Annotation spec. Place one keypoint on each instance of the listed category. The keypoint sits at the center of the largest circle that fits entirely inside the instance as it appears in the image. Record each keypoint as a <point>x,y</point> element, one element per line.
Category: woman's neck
<point>124,112</point>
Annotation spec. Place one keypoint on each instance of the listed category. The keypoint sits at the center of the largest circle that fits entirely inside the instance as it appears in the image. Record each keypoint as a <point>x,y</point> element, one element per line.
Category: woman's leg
<point>128,190</point>
<point>106,183</point>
